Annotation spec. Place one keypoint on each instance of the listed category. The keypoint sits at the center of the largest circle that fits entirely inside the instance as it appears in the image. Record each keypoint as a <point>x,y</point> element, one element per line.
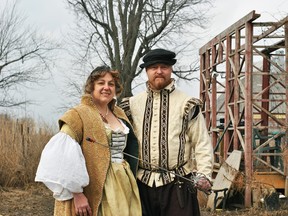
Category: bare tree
<point>120,32</point>
<point>24,57</point>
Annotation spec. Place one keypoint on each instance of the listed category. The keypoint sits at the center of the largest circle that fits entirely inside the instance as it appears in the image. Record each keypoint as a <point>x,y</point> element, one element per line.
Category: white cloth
<point>168,136</point>
<point>62,167</point>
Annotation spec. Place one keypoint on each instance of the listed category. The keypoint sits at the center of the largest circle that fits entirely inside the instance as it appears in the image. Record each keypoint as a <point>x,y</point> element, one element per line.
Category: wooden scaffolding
<point>243,85</point>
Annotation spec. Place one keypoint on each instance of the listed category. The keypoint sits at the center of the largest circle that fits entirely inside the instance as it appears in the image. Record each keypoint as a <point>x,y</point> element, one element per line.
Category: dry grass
<point>32,200</point>
<point>21,144</point>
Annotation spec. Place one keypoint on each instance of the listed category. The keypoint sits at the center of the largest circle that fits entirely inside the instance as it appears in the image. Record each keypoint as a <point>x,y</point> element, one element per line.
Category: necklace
<point>104,119</point>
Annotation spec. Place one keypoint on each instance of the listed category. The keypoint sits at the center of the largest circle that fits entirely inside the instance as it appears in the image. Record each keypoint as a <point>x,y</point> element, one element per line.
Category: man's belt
<point>177,170</point>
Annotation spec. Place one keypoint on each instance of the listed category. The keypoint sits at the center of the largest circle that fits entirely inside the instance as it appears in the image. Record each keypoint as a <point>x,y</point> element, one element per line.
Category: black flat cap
<point>158,56</point>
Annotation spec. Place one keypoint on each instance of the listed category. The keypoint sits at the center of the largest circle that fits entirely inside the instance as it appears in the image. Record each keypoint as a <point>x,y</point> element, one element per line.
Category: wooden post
<point>285,153</point>
<point>248,112</point>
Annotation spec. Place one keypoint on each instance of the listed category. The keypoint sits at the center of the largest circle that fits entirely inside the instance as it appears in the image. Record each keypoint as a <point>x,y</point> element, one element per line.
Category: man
<point>174,141</point>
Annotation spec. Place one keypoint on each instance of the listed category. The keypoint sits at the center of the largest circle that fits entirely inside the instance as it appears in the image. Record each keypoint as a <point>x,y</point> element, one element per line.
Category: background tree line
<point>112,32</point>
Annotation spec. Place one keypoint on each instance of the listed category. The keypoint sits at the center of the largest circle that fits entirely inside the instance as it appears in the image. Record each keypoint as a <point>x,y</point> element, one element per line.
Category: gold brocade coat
<point>85,121</point>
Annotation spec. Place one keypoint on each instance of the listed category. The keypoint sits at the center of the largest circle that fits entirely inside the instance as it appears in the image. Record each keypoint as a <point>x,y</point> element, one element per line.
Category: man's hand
<point>203,183</point>
<point>82,207</point>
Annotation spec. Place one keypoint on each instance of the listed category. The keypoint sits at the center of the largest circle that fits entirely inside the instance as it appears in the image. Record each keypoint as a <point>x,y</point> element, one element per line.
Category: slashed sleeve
<point>201,141</point>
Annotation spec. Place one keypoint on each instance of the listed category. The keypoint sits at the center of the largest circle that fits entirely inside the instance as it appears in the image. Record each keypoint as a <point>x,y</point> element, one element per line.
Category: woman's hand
<point>82,207</point>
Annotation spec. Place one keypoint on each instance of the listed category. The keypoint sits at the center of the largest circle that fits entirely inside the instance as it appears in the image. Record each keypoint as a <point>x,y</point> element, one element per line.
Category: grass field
<point>21,144</point>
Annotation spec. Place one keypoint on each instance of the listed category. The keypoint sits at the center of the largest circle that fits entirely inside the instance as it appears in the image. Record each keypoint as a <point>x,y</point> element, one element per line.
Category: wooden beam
<point>272,179</point>
<point>237,25</point>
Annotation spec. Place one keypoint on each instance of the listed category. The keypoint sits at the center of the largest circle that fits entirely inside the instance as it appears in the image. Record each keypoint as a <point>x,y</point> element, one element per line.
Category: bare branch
<point>25,57</point>
<point>122,32</point>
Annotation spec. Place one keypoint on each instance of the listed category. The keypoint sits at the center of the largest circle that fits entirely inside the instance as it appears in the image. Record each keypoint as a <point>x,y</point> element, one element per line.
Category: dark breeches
<point>169,200</point>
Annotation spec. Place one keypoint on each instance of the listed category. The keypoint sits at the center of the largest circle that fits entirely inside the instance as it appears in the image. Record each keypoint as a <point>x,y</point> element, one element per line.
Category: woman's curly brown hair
<point>100,72</point>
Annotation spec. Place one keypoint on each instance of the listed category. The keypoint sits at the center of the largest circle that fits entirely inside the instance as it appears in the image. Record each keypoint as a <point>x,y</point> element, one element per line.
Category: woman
<point>90,165</point>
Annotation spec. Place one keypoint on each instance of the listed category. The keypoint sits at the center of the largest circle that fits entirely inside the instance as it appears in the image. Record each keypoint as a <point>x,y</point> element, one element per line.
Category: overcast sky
<point>52,18</point>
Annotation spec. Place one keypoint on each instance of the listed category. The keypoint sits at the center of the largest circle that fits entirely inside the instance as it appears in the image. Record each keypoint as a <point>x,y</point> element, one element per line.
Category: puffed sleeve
<point>62,167</point>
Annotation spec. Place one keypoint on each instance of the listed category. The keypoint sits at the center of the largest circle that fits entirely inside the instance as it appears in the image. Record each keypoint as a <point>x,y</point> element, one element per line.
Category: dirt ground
<point>34,200</point>
<point>37,200</point>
